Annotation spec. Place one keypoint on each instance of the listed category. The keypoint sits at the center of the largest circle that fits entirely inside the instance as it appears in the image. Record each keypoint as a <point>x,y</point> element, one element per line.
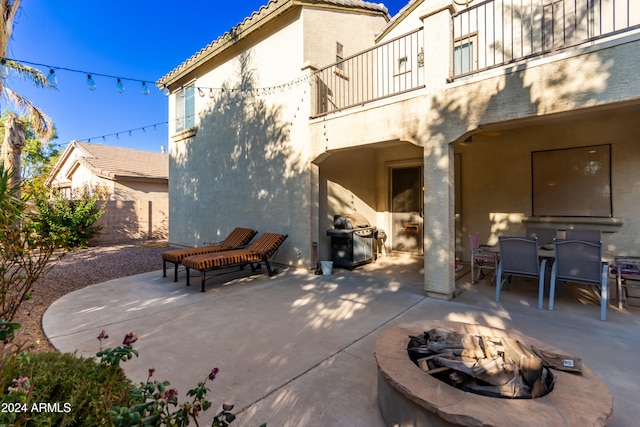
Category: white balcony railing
<point>498,32</point>
<point>385,70</point>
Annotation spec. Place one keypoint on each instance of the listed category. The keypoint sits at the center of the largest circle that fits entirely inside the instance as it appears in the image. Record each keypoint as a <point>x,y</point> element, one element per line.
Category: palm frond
<point>42,124</point>
<point>28,73</point>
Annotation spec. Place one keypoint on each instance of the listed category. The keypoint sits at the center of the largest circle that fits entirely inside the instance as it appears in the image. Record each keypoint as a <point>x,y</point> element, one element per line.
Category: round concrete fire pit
<point>408,396</point>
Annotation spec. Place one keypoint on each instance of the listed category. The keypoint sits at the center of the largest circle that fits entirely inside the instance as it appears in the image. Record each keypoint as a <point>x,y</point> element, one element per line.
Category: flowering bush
<point>155,403</point>
<point>83,392</point>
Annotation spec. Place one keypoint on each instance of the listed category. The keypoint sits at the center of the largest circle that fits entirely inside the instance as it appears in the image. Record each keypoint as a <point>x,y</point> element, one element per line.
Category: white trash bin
<point>327,267</point>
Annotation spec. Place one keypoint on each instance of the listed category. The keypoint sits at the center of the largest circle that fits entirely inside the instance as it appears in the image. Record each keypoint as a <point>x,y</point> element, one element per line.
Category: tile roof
<point>271,9</point>
<point>118,163</point>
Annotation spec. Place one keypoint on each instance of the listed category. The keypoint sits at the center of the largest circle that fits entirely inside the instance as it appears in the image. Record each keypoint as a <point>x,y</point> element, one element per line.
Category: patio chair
<point>519,257</point>
<point>582,234</point>
<point>481,258</point>
<point>260,251</point>
<point>627,272</point>
<point>545,236</point>
<point>238,238</point>
<point>580,262</point>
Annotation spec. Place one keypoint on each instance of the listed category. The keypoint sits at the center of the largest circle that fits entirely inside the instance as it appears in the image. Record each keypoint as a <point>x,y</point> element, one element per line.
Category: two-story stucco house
<point>455,117</point>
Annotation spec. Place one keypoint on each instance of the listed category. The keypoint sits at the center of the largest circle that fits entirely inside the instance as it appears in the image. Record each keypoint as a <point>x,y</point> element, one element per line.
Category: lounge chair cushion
<point>237,238</point>
<point>262,249</point>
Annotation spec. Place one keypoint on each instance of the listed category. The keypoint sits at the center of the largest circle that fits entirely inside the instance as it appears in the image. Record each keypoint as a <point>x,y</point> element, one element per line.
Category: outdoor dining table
<point>550,252</point>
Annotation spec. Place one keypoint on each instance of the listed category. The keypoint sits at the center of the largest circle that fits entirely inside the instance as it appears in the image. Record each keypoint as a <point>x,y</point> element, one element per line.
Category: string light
<point>52,80</point>
<point>91,84</point>
<point>128,131</point>
<point>212,93</point>
<point>4,70</point>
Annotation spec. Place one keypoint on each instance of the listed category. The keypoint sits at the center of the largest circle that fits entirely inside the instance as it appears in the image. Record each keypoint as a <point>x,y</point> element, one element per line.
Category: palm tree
<point>14,136</point>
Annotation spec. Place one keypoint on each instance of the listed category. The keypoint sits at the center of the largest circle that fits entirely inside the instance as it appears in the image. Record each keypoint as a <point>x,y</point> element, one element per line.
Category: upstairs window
<point>185,108</point>
<point>464,56</point>
<point>340,55</point>
<point>403,65</point>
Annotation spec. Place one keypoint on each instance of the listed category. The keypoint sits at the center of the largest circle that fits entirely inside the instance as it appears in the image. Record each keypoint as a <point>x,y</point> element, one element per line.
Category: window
<point>464,55</point>
<point>572,182</point>
<point>403,65</point>
<point>185,108</point>
<point>340,55</point>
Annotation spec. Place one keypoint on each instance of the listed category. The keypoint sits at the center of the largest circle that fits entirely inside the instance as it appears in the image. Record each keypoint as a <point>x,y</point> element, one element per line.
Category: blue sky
<point>141,40</point>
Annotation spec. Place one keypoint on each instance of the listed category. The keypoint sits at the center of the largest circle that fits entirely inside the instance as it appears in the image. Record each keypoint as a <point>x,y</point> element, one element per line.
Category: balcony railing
<point>498,32</point>
<point>387,69</point>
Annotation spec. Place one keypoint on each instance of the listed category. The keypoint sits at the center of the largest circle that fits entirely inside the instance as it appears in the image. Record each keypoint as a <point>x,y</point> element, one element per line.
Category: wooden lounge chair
<point>238,238</point>
<point>260,251</point>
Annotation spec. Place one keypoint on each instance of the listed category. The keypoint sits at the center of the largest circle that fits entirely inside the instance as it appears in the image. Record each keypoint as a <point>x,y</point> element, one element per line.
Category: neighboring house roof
<point>257,19</point>
<point>114,163</point>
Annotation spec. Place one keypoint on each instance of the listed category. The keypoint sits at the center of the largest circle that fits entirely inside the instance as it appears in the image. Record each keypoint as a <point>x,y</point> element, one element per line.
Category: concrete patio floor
<point>296,349</point>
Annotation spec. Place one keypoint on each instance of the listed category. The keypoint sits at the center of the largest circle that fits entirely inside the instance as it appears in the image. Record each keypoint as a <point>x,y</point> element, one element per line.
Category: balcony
<point>488,35</point>
<point>388,69</point>
<point>499,32</point>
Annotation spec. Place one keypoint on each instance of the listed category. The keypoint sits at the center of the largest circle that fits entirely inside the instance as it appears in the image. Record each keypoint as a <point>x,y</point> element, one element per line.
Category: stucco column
<point>439,208</point>
<point>439,222</point>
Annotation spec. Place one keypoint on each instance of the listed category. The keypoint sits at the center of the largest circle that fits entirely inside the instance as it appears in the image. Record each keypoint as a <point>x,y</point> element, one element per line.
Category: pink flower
<point>103,335</point>
<point>130,338</point>
<point>170,394</point>
<point>214,372</point>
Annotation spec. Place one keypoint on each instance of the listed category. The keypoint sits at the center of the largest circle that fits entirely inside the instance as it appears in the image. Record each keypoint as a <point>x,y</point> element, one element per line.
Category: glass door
<point>406,208</point>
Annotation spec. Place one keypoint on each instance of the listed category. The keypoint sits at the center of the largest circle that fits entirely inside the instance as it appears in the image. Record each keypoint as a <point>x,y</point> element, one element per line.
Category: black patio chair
<point>519,257</point>
<point>580,262</point>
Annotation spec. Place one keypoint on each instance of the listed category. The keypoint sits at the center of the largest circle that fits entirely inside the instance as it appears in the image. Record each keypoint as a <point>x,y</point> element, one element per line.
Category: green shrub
<point>70,222</point>
<point>66,390</point>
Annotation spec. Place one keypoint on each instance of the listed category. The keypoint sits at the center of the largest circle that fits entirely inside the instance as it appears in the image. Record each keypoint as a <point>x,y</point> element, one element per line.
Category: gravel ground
<point>77,269</point>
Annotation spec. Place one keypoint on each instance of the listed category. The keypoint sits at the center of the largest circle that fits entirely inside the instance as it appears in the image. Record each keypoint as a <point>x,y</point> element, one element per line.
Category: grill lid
<point>351,221</point>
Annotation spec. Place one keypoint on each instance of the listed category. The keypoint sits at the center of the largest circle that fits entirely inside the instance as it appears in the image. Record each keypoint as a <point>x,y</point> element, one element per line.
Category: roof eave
<point>239,32</point>
<point>223,42</point>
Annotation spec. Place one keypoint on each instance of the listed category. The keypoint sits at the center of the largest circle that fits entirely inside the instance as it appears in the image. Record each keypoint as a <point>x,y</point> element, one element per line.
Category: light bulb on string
<point>91,84</point>
<point>52,80</point>
<point>4,70</point>
<point>211,94</point>
<point>145,89</point>
<point>120,86</point>
<point>181,93</point>
<point>200,92</point>
<point>166,91</point>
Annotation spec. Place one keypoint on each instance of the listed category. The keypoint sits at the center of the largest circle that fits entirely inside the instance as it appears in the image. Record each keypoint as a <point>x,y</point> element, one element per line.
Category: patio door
<point>406,208</point>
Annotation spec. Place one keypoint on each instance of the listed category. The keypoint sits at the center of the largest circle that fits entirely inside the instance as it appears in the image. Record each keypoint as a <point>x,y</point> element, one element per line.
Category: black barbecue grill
<point>352,241</point>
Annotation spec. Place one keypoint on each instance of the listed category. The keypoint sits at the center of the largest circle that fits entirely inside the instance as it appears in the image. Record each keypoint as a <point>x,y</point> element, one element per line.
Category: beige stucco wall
<point>323,28</point>
<point>249,163</point>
